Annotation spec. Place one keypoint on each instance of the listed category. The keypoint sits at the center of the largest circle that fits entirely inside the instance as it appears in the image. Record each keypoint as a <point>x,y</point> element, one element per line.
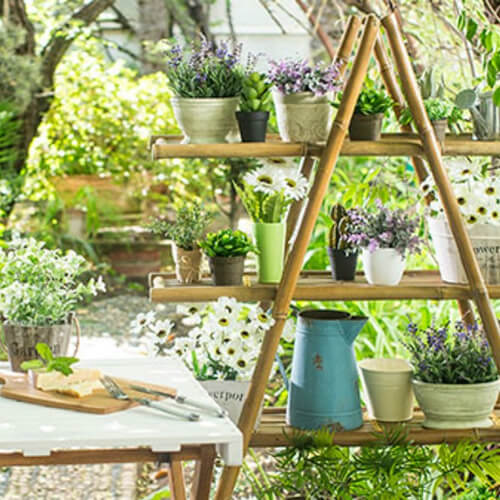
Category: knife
<point>181,400</point>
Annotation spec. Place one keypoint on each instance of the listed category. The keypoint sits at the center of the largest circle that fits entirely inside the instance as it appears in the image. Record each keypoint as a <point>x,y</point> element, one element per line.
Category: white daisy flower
<point>265,179</point>
<point>295,185</point>
<point>196,334</point>
<point>261,318</point>
<point>141,321</point>
<point>227,306</point>
<point>162,329</point>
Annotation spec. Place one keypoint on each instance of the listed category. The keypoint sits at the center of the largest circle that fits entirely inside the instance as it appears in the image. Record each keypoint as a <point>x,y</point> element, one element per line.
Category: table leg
<point>176,480</point>
<point>203,474</point>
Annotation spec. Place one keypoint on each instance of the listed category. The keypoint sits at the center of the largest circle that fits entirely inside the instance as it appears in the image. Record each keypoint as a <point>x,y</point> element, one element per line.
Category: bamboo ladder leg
<point>176,480</point>
<point>392,86</point>
<point>294,262</point>
<point>431,147</point>
<point>203,474</point>
<point>306,167</point>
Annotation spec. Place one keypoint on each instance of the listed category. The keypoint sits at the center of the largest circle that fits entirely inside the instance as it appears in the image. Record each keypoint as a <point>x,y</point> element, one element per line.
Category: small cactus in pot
<point>342,253</point>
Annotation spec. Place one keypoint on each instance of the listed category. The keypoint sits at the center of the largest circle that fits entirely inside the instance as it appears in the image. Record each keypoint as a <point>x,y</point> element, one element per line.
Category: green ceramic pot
<point>270,240</point>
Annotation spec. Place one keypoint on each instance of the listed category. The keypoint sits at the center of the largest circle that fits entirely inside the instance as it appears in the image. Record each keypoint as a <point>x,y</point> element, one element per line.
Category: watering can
<point>486,118</point>
<point>324,388</point>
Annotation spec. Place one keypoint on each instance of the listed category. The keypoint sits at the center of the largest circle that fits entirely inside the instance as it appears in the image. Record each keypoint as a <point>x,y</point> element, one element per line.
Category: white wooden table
<point>37,435</point>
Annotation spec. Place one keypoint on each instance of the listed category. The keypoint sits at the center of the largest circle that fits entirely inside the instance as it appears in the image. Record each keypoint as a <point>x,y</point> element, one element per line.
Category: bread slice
<point>80,389</point>
<point>79,383</point>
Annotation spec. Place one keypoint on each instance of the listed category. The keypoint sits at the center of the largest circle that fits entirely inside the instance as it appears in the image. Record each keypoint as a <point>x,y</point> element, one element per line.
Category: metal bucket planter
<point>324,387</point>
<point>486,118</point>
<point>205,121</point>
<point>227,271</point>
<point>187,265</point>
<point>365,127</point>
<point>440,127</point>
<point>303,117</point>
<point>485,239</point>
<point>21,340</point>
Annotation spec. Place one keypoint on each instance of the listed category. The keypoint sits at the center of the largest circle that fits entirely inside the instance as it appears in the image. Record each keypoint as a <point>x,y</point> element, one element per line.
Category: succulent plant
<point>227,243</point>
<point>372,101</point>
<point>339,229</point>
<point>256,93</point>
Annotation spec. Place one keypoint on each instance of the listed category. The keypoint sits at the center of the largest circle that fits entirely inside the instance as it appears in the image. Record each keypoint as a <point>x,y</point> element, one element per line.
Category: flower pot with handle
<point>270,240</point>
<point>457,406</point>
<point>343,264</point>
<point>323,386</point>
<point>205,120</point>
<point>303,117</point>
<point>187,265</point>
<point>253,125</point>
<point>227,271</point>
<point>365,127</point>
<point>387,388</point>
<point>21,340</point>
<point>384,266</point>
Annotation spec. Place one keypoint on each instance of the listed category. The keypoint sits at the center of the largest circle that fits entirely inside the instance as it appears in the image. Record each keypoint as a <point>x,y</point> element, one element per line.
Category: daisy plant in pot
<point>226,251</point>
<point>386,237</point>
<point>189,226</point>
<point>455,378</point>
<point>39,291</point>
<point>478,197</point>
<point>267,194</point>
<point>207,81</point>
<point>301,97</point>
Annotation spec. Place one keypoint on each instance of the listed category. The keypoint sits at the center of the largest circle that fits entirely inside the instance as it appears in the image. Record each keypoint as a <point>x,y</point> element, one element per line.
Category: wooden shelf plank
<point>314,286</point>
<point>272,427</point>
<point>389,145</point>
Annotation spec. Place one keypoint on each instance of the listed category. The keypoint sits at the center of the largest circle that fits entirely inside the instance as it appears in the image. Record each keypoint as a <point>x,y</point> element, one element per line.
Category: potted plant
<point>386,236</point>
<point>478,198</point>
<point>441,113</point>
<point>226,251</point>
<point>366,122</point>
<point>206,81</point>
<point>188,227</point>
<point>342,253</point>
<point>267,193</point>
<point>301,97</point>
<point>255,103</point>
<point>39,290</point>
<point>455,378</point>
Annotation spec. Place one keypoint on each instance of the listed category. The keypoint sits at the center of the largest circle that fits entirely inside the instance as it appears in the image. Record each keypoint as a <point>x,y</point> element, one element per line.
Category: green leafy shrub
<point>256,93</point>
<point>227,243</point>
<point>372,101</point>
<point>48,362</point>
<point>188,227</point>
<point>436,109</point>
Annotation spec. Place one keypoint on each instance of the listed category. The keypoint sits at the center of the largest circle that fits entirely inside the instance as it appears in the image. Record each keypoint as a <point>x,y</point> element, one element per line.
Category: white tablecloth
<point>37,430</point>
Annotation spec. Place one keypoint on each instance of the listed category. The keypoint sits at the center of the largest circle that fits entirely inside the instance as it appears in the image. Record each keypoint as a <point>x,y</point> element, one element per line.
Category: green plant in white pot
<point>267,194</point>
<point>207,82</point>
<point>455,378</point>
<point>39,290</point>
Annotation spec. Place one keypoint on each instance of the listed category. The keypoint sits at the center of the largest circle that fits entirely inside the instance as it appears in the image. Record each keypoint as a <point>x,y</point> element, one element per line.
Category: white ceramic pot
<point>230,395</point>
<point>387,388</point>
<point>384,266</point>
<point>205,121</point>
<point>456,406</point>
<point>303,117</point>
<point>485,239</point>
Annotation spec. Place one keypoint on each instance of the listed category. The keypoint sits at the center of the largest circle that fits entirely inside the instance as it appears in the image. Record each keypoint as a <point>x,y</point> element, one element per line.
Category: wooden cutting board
<point>17,386</point>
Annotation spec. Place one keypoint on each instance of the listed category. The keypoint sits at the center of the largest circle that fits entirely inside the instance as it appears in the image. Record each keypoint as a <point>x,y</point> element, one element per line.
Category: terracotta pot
<point>227,271</point>
<point>187,265</point>
<point>303,117</point>
<point>365,128</point>
<point>205,121</point>
<point>343,265</point>
<point>440,127</point>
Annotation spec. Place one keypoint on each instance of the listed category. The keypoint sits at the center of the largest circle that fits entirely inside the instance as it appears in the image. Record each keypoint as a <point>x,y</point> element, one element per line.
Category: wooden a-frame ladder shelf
<point>301,220</point>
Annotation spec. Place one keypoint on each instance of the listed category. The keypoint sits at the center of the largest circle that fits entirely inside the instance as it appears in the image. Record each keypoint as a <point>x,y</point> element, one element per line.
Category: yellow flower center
<point>490,190</point>
<point>161,333</point>
<point>223,322</point>
<point>231,351</point>
<point>482,210</point>
<point>494,214</point>
<point>262,318</point>
<point>472,219</point>
<point>461,200</point>
<point>192,310</point>
<point>265,179</point>
<point>245,334</point>
<point>241,363</point>
<point>290,183</point>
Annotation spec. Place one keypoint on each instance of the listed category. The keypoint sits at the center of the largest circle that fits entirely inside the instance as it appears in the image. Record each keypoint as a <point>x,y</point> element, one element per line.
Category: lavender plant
<point>206,71</point>
<point>450,355</point>
<point>385,229</point>
<point>290,76</point>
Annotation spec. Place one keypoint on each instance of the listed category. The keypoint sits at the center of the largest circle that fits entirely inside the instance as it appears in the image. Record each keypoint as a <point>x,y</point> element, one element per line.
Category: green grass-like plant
<point>227,243</point>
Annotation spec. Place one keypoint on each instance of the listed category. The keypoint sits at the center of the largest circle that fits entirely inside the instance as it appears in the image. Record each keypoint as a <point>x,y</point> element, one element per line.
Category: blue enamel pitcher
<point>324,387</point>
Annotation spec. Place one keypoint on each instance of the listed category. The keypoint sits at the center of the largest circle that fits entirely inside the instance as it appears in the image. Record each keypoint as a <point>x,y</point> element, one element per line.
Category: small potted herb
<point>386,236</point>
<point>189,225</point>
<point>366,122</point>
<point>441,113</point>
<point>301,97</point>
<point>255,103</point>
<point>342,253</point>
<point>455,378</point>
<point>226,251</point>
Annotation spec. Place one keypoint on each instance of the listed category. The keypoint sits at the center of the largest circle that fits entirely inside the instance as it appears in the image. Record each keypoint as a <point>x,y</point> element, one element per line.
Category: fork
<point>116,392</point>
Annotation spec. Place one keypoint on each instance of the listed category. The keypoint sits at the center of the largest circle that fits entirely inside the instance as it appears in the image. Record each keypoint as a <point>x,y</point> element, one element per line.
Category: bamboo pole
<point>296,257</point>
<point>392,86</point>
<point>431,146</point>
<point>344,52</point>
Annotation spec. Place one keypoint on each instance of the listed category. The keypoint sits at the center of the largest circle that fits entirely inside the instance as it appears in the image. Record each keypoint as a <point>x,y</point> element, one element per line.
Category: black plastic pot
<point>343,266</point>
<point>227,270</point>
<point>253,125</point>
<point>365,127</point>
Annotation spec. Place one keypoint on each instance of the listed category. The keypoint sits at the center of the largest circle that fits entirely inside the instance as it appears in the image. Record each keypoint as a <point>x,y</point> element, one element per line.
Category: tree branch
<point>57,46</point>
